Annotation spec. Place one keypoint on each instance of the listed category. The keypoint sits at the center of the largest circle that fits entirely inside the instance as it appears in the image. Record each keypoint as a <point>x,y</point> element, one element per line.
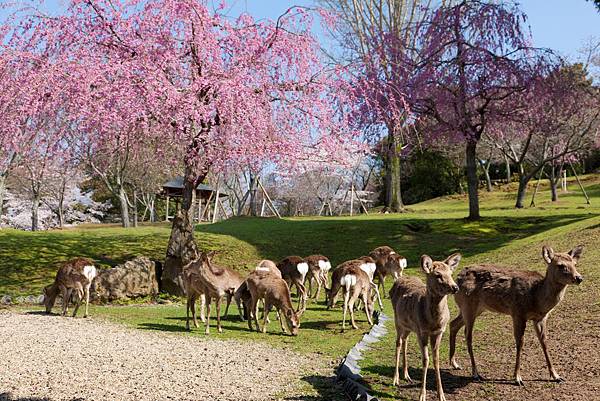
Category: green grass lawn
<point>436,227</point>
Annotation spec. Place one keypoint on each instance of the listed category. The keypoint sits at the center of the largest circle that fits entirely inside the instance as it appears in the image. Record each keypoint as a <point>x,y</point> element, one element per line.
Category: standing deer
<point>201,276</point>
<point>388,262</point>
<point>370,267</point>
<point>318,268</point>
<point>293,270</point>
<point>73,278</point>
<point>355,283</point>
<point>275,293</point>
<point>242,294</point>
<point>524,295</point>
<point>423,308</point>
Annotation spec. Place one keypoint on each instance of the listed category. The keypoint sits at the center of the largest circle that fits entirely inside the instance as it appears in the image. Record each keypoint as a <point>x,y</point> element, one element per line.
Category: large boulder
<point>133,279</point>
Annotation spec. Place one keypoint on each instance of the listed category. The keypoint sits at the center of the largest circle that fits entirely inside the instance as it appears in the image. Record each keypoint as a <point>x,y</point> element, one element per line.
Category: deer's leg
<point>207,323</point>
<point>202,307</point>
<point>397,369</point>
<point>540,330</point>
<point>281,320</point>
<point>301,296</point>
<point>376,290</point>
<point>218,301</point>
<point>266,311</point>
<point>365,297</point>
<point>405,357</point>
<point>423,341</point>
<point>193,308</point>
<point>469,321</point>
<point>435,342</point>
<point>87,299</point>
<point>187,313</point>
<point>351,307</point>
<point>255,310</point>
<point>78,293</point>
<point>229,296</point>
<point>519,325</point>
<point>66,297</point>
<point>455,326</point>
<point>382,282</point>
<point>346,300</point>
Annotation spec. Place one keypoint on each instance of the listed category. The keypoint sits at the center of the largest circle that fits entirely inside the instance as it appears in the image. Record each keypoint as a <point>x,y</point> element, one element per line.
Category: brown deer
<point>355,283</point>
<point>370,267</point>
<point>202,277</point>
<point>318,269</point>
<point>423,308</point>
<point>242,294</point>
<point>73,278</point>
<point>293,271</point>
<point>275,293</point>
<point>524,295</point>
<point>388,262</point>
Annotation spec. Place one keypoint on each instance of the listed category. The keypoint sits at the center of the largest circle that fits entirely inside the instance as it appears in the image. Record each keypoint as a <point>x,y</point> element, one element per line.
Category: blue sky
<point>562,25</point>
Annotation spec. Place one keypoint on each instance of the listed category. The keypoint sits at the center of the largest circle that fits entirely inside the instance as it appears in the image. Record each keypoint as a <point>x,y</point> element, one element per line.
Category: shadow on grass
<point>325,387</point>
<point>451,381</point>
<point>343,238</point>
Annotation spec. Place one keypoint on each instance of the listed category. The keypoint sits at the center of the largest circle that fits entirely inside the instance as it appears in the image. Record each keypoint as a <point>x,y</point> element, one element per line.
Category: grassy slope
<point>435,227</point>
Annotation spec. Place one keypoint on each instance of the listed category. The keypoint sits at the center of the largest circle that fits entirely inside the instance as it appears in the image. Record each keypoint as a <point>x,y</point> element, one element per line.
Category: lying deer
<point>355,283</point>
<point>524,295</point>
<point>293,270</point>
<point>73,278</point>
<point>388,262</point>
<point>275,293</point>
<point>318,269</point>
<point>423,308</point>
<point>202,277</point>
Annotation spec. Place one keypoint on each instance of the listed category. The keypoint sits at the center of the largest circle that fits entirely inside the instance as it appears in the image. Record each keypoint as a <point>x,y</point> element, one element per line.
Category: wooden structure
<point>208,200</point>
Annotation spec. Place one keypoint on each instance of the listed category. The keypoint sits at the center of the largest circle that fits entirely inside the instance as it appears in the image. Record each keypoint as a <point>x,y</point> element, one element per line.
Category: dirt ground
<point>55,358</point>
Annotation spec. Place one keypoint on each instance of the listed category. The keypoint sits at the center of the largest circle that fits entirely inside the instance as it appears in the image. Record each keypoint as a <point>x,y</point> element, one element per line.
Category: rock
<point>5,300</point>
<point>40,299</point>
<point>20,300</point>
<point>133,279</point>
<point>31,299</point>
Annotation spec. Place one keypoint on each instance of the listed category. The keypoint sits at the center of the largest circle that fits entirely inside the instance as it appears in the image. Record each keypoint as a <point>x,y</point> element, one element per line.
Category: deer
<point>355,283</point>
<point>388,262</point>
<point>202,277</point>
<point>423,308</point>
<point>318,269</point>
<point>524,295</point>
<point>275,293</point>
<point>242,294</point>
<point>370,267</point>
<point>73,278</point>
<point>293,271</point>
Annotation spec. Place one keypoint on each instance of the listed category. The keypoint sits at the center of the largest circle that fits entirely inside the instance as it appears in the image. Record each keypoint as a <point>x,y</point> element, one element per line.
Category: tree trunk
<point>521,192</point>
<point>508,176</point>
<point>181,248</point>
<point>554,178</point>
<point>253,197</point>
<point>393,190</point>
<point>124,206</point>
<point>486,170</point>
<point>472,180</point>
<point>135,211</point>
<point>35,207</point>
<point>61,212</point>
<point>2,192</point>
<point>152,210</point>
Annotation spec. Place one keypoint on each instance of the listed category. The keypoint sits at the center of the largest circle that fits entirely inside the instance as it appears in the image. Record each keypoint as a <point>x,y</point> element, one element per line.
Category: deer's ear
<point>547,253</point>
<point>289,313</point>
<point>453,260</point>
<point>576,252</point>
<point>426,264</point>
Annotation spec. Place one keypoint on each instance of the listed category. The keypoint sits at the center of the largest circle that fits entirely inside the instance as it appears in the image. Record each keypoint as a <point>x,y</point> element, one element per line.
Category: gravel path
<point>58,358</point>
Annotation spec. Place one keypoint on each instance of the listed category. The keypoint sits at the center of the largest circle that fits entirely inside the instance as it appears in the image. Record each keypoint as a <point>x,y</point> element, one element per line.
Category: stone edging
<point>348,373</point>
<point>28,300</point>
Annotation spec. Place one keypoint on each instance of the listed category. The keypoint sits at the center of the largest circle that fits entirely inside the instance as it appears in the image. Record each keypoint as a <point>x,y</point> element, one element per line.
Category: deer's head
<point>562,267</point>
<point>439,274</point>
<point>293,321</point>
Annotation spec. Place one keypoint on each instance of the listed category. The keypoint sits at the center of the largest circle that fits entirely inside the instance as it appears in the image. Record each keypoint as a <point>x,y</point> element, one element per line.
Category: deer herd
<point>419,307</point>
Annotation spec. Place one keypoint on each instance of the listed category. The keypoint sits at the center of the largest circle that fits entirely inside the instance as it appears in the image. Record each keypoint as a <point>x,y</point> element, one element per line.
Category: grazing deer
<point>275,293</point>
<point>242,294</point>
<point>423,308</point>
<point>388,262</point>
<point>524,295</point>
<point>293,271</point>
<point>201,276</point>
<point>370,267</point>
<point>73,278</point>
<point>355,283</point>
<point>318,269</point>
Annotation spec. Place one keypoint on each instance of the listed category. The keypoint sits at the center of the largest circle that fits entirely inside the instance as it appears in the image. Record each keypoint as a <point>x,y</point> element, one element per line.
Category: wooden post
<point>587,198</point>
<point>262,208</point>
<point>216,210</point>
<point>200,209</point>
<point>269,201</point>
<point>564,180</point>
<point>167,211</point>
<point>352,200</point>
